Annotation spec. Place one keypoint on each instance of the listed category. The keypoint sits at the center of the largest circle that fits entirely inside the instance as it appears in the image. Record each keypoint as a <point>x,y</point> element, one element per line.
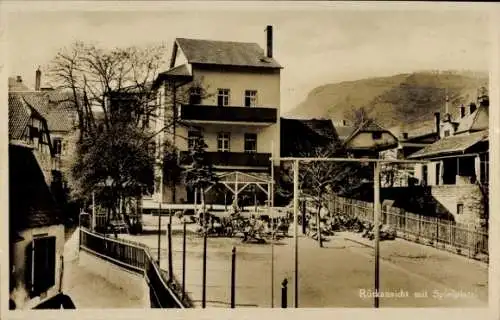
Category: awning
<point>450,145</point>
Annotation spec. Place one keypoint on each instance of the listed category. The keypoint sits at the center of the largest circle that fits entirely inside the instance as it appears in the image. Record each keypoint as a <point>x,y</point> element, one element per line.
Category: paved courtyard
<point>338,275</point>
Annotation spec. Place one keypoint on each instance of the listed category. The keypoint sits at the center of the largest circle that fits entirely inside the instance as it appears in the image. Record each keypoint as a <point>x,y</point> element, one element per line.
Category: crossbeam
<point>306,159</point>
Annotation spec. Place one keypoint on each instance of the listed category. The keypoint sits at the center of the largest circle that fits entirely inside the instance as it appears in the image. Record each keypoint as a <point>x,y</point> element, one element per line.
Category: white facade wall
<point>365,140</point>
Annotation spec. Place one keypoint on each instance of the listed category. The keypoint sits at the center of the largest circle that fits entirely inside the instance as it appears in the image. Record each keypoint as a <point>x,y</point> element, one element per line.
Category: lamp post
<point>108,184</point>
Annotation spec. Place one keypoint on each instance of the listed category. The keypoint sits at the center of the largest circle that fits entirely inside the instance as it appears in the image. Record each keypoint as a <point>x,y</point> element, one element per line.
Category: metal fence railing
<point>467,239</point>
<point>133,256</point>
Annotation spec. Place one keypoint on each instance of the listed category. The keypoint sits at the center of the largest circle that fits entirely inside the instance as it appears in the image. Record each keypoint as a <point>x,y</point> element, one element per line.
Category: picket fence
<point>465,239</point>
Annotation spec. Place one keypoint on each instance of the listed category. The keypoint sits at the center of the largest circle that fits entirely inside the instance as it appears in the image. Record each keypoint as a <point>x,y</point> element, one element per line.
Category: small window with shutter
<point>41,265</point>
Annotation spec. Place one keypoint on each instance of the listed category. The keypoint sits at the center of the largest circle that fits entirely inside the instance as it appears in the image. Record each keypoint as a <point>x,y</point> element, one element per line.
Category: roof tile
<point>226,53</point>
<point>452,144</point>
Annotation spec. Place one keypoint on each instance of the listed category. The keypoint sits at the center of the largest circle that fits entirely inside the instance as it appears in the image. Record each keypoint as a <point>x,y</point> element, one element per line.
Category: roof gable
<point>225,53</point>
<point>16,84</point>
<point>478,120</point>
<point>19,115</point>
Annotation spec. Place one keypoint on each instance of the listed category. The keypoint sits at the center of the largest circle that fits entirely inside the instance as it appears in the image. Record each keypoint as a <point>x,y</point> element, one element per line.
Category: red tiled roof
<point>226,53</point>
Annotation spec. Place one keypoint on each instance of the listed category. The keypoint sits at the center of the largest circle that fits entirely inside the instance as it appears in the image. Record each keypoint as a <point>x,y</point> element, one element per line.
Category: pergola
<point>237,181</point>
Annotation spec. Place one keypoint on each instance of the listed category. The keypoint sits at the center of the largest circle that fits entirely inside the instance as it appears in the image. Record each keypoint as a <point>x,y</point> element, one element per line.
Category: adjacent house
<point>229,94</point>
<point>369,139</point>
<point>458,165</point>
<point>48,118</point>
<point>301,137</point>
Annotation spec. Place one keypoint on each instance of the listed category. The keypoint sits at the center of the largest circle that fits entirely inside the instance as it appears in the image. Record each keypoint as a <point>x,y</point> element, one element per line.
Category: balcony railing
<point>236,159</point>
<point>228,114</point>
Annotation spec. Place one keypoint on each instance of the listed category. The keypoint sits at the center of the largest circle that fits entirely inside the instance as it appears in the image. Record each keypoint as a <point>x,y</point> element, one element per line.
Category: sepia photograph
<point>211,156</point>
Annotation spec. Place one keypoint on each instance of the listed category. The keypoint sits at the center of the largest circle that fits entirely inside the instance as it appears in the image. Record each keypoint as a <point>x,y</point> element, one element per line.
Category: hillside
<point>403,99</point>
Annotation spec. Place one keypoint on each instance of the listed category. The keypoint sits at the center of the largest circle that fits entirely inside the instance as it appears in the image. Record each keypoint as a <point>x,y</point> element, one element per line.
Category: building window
<point>377,135</point>
<point>460,208</point>
<point>250,98</point>
<point>447,133</point>
<point>42,265</point>
<point>250,142</point>
<point>193,138</point>
<point>223,97</point>
<point>424,175</point>
<point>57,147</point>
<point>223,142</point>
<point>195,95</point>
<point>438,173</point>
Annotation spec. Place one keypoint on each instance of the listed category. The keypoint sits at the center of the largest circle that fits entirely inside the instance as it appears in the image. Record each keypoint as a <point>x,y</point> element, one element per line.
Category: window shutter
<point>43,265</point>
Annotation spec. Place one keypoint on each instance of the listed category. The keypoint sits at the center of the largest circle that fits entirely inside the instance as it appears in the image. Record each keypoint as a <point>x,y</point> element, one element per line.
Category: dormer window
<point>195,95</point>
<point>377,135</point>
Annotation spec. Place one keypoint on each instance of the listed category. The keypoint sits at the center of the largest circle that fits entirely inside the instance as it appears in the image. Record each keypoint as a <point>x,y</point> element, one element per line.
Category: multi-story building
<point>458,167</point>
<point>229,94</point>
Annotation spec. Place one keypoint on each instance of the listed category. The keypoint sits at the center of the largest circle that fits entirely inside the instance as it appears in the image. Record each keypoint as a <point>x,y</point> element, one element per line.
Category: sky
<point>317,45</point>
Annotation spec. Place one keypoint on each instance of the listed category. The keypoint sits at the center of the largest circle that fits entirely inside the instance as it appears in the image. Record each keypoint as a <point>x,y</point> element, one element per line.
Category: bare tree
<point>114,95</point>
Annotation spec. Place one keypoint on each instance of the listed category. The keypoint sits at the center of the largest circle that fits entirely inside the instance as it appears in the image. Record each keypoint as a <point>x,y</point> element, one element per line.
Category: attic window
<point>377,135</point>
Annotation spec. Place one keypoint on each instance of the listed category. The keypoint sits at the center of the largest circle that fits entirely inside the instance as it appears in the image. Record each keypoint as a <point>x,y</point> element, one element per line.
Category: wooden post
<point>233,277</point>
<point>376,218</point>
<point>183,260</point>
<point>284,298</point>
<point>204,280</point>
<point>295,227</point>
<point>170,263</point>
<point>436,219</point>
<point>159,233</point>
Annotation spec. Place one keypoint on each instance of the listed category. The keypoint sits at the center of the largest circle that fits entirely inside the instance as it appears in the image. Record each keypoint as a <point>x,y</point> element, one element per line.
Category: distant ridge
<point>398,100</point>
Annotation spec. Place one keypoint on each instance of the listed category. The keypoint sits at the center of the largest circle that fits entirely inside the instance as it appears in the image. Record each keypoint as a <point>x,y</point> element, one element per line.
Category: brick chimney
<point>269,36</point>
<point>437,117</point>
<point>38,79</point>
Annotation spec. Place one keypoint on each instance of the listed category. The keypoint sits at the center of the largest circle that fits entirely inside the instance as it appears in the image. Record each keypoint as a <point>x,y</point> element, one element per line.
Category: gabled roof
<point>181,70</point>
<point>470,121</point>
<point>16,84</point>
<point>344,131</point>
<point>451,145</point>
<point>56,107</point>
<point>31,203</point>
<point>226,53</point>
<point>366,126</point>
<point>19,115</point>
